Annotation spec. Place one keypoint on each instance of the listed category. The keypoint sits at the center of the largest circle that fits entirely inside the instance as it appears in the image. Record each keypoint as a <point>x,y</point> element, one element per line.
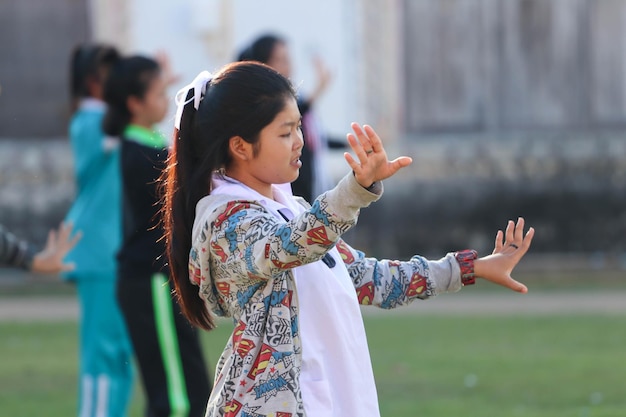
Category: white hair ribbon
<point>199,86</point>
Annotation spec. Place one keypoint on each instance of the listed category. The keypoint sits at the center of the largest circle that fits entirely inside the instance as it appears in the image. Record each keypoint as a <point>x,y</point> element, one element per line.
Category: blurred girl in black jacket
<point>168,349</point>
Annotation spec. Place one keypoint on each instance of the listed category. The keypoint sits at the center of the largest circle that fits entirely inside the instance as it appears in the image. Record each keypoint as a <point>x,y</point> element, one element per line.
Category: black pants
<point>167,348</point>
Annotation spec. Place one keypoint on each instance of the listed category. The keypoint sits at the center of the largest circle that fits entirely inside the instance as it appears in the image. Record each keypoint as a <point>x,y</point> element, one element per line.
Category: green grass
<point>553,366</point>
<point>483,367</point>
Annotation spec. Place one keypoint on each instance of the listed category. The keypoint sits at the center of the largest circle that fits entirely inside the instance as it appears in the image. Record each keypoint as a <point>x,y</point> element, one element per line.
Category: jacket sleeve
<point>14,252</point>
<point>87,142</point>
<point>389,284</point>
<point>243,235</point>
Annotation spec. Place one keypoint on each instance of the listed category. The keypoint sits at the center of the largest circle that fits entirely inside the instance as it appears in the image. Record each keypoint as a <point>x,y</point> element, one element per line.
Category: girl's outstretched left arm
<point>389,284</point>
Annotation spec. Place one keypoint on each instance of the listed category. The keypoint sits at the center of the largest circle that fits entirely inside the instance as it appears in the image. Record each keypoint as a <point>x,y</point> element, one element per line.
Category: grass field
<point>552,366</point>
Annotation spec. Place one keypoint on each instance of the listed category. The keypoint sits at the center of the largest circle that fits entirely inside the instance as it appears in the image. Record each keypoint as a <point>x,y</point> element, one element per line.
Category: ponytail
<point>185,181</point>
<point>115,120</point>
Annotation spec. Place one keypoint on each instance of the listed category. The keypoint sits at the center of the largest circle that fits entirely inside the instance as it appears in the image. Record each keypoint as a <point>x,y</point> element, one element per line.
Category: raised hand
<point>166,68</point>
<point>324,77</point>
<point>372,164</point>
<point>498,266</point>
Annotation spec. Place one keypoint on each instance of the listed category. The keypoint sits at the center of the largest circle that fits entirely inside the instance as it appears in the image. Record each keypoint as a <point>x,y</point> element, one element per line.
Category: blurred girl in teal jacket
<point>105,351</point>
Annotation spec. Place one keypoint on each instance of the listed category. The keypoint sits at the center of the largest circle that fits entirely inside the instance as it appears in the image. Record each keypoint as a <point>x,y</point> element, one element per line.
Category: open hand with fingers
<point>50,259</point>
<point>510,247</point>
<point>372,164</point>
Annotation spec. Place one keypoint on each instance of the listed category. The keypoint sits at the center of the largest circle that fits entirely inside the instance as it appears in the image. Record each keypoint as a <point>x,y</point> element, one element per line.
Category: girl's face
<point>153,107</point>
<point>276,157</point>
<point>279,59</point>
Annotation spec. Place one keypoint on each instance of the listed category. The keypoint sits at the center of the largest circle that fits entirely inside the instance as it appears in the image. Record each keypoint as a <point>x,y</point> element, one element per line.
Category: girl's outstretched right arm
<point>243,234</point>
<point>240,235</point>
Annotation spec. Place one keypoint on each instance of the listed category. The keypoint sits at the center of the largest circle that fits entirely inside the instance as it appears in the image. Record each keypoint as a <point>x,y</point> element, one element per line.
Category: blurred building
<point>513,107</point>
<point>198,35</point>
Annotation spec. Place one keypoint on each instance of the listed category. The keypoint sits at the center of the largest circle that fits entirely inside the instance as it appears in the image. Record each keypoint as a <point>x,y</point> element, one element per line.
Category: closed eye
<point>292,126</point>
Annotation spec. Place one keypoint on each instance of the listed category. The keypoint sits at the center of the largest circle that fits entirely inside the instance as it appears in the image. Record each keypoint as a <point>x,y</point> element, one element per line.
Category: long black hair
<point>240,100</point>
<point>129,77</point>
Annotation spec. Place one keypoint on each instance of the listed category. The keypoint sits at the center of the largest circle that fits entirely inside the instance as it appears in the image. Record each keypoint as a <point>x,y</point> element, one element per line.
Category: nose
<point>299,140</point>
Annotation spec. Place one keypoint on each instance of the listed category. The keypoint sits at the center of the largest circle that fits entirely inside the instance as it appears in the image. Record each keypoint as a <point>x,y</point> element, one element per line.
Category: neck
<point>138,121</point>
<point>250,181</point>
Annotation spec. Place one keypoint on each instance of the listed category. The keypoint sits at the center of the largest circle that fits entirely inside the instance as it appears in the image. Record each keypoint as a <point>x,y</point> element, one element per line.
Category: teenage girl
<point>240,247</point>
<point>167,347</point>
<point>106,373</point>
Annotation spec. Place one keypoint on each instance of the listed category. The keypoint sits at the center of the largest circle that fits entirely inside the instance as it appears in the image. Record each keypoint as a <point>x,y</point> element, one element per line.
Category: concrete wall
<point>36,185</point>
<point>492,65</point>
<point>456,194</point>
<point>460,191</point>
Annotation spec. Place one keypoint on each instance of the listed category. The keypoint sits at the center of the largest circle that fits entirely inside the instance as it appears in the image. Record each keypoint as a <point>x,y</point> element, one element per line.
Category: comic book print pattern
<point>385,283</point>
<point>242,262</point>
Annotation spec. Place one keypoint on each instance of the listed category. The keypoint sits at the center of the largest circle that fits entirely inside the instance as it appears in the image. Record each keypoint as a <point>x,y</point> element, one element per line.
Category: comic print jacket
<point>242,259</point>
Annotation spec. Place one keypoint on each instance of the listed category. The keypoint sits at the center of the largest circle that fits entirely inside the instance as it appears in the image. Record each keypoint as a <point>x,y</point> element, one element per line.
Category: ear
<point>134,104</point>
<point>239,148</point>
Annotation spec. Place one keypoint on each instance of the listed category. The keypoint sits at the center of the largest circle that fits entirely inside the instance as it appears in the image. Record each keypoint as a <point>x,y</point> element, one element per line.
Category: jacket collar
<point>283,201</point>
